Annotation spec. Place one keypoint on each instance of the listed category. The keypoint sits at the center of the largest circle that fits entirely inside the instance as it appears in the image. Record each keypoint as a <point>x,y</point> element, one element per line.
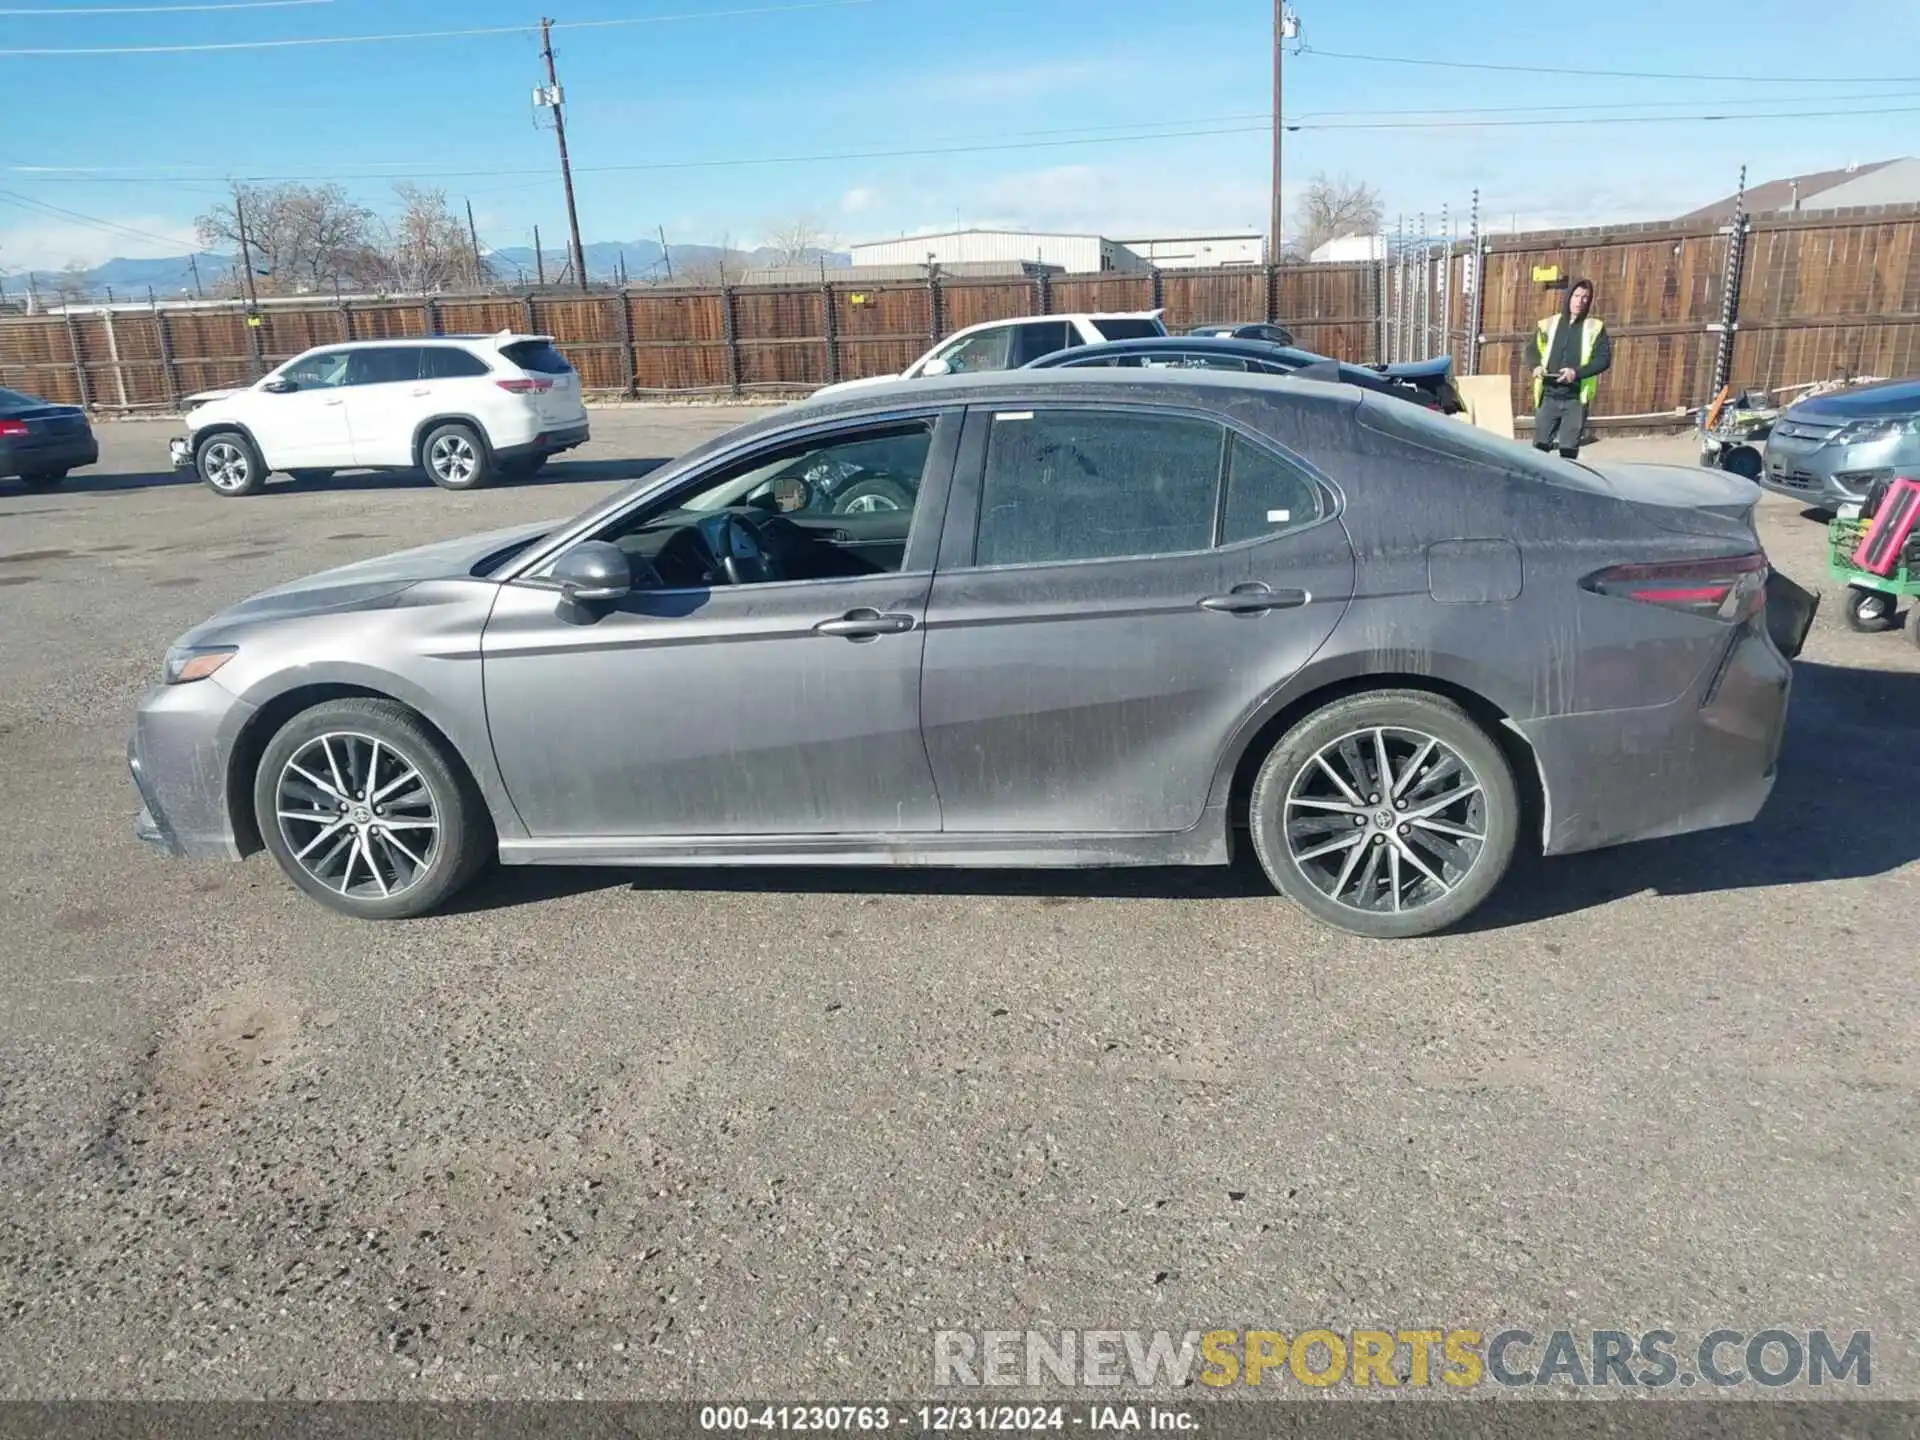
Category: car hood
<point>1866,402</point>
<point>865,383</point>
<point>369,582</point>
<point>207,397</point>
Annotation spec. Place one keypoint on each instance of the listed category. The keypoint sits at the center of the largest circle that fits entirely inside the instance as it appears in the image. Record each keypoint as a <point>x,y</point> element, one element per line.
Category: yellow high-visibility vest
<point>1590,329</point>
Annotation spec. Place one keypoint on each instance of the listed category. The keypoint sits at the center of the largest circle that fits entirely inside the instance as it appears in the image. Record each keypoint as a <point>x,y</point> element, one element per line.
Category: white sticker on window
<point>1278,517</point>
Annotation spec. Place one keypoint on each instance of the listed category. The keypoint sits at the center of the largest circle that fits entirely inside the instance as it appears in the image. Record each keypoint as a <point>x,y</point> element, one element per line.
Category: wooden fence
<point>1810,297</point>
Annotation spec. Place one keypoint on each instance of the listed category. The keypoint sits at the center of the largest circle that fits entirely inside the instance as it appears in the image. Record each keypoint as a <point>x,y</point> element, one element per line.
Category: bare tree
<point>303,238</point>
<point>426,247</point>
<point>796,241</point>
<point>73,285</point>
<point>1332,209</point>
<point>702,267</point>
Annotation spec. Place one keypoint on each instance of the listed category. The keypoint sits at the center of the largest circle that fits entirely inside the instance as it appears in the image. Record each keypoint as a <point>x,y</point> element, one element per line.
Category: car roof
<point>1190,344</point>
<point>498,339</point>
<point>1057,318</point>
<point>1051,383</point>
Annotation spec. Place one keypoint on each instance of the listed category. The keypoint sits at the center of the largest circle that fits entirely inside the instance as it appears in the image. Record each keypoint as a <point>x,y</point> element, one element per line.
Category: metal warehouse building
<point>1075,254</point>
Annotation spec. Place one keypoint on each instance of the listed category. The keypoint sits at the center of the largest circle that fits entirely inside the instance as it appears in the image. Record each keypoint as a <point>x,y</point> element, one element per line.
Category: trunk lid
<point>1689,499</point>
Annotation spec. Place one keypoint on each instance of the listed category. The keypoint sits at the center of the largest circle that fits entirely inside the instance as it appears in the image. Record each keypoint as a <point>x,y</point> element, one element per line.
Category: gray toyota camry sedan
<point>1035,618</point>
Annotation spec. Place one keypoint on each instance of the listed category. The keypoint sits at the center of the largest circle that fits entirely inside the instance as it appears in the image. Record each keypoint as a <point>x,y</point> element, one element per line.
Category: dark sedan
<point>40,442</point>
<point>1119,619</point>
<point>1425,382</point>
<point>1256,330</point>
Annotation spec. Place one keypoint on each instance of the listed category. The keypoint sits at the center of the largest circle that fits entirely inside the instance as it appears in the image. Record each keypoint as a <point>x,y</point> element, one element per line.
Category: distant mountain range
<point>171,277</point>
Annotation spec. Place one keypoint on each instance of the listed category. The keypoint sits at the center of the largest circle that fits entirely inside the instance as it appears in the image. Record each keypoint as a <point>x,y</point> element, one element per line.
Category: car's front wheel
<point>456,458</point>
<point>366,811</point>
<point>1388,814</point>
<point>43,480</point>
<point>229,464</point>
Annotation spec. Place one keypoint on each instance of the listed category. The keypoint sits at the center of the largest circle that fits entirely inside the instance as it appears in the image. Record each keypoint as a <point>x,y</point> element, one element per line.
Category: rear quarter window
<point>449,362</point>
<point>1467,444</point>
<point>1129,329</point>
<point>538,356</point>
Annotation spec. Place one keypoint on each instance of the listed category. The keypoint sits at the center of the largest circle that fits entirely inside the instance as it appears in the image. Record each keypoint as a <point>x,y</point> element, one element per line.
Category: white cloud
<point>51,244</point>
<point>858,200</point>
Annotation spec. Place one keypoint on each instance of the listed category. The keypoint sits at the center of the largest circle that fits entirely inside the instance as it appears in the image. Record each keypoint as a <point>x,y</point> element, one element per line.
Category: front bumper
<point>183,738</point>
<point>180,451</point>
<point>47,456</point>
<point>1826,474</point>
<point>1705,761</point>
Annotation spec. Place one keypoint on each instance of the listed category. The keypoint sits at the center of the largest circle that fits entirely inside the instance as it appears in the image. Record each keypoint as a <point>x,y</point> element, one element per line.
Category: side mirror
<point>937,366</point>
<point>279,386</point>
<point>594,570</point>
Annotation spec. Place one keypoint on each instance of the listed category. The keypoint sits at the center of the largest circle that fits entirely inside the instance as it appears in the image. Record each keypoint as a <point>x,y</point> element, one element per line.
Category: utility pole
<point>666,255</point>
<point>193,263</point>
<point>1284,28</point>
<point>474,236</point>
<point>552,99</point>
<point>246,252</point>
<point>539,260</point>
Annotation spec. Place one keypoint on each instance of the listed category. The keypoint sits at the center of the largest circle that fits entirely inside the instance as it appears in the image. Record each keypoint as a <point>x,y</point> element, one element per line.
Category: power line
<point>1592,121</point>
<point>62,14</point>
<point>93,222</point>
<point>297,41</point>
<point>1721,76</point>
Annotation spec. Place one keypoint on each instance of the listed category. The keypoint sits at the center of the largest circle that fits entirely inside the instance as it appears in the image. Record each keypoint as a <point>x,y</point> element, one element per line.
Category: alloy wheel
<point>1386,819</point>
<point>870,505</point>
<point>357,815</point>
<point>453,459</point>
<point>226,465</point>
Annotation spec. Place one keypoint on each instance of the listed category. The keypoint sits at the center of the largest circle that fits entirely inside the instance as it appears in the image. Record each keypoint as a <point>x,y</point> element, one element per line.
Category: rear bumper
<point>66,453</point>
<point>1705,761</point>
<point>547,442</point>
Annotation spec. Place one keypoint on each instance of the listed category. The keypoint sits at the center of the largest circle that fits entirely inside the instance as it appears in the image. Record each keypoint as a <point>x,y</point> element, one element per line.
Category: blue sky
<point>1049,83</point>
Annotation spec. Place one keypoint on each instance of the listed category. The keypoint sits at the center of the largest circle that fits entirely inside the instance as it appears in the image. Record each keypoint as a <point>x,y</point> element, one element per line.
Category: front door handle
<point>335,402</point>
<point>1253,599</point>
<point>421,390</point>
<point>864,624</point>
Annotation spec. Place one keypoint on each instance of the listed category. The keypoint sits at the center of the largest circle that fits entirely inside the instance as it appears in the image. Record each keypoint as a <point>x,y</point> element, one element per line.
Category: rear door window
<point>385,364</point>
<point>447,362</point>
<point>1087,484</point>
<point>1267,493</point>
<point>1030,342</point>
<point>539,356</point>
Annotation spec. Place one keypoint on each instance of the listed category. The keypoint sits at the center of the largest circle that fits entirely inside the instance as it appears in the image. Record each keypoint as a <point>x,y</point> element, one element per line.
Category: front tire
<point>229,464</point>
<point>44,480</point>
<point>1388,814</point>
<point>872,495</point>
<point>365,809</point>
<point>1868,611</point>
<point>456,458</point>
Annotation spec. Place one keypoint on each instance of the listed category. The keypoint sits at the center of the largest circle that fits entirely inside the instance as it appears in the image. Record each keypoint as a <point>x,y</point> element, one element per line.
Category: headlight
<point>1858,432</point>
<point>196,662</point>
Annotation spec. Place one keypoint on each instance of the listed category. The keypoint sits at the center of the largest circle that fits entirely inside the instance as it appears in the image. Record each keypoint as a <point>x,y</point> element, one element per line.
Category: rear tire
<point>229,463</point>
<point>1436,858</point>
<point>44,480</point>
<point>456,458</point>
<point>1868,612</point>
<point>337,760</point>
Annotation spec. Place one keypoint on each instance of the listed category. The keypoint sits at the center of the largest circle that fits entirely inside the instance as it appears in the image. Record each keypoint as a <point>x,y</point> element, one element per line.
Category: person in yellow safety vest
<point>1569,353</point>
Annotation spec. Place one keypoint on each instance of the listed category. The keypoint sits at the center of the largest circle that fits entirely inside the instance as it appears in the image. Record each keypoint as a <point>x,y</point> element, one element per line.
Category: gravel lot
<point>758,1133</point>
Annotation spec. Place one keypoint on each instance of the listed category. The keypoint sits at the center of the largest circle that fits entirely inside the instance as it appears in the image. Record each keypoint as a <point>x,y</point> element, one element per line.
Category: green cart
<point>1873,601</point>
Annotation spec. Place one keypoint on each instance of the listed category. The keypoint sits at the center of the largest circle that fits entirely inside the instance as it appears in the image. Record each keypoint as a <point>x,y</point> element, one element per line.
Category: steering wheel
<point>736,550</point>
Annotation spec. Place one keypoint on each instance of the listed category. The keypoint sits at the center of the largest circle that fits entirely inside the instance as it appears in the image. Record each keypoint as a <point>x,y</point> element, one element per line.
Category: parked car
<point>40,441</point>
<point>1124,618</point>
<point>1425,382</point>
<point>1010,344</point>
<point>464,408</point>
<point>1276,334</point>
<point>1827,450</point>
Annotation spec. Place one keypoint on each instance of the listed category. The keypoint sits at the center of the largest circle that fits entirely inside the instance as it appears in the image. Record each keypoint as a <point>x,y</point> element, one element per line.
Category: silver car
<point>1119,618</point>
<point>1829,449</point>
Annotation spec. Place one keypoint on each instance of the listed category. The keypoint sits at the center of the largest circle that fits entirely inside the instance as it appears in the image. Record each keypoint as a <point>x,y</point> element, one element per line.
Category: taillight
<point>1732,588</point>
<point>10,428</point>
<point>523,387</point>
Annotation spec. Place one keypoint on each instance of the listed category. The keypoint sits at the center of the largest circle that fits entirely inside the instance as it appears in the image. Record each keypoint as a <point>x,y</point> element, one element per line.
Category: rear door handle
<point>421,390</point>
<point>336,402</point>
<point>1253,599</point>
<point>864,624</point>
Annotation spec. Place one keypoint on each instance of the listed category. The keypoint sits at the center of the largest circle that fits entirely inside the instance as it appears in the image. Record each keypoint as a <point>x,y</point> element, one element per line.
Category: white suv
<point>1009,344</point>
<point>464,408</point>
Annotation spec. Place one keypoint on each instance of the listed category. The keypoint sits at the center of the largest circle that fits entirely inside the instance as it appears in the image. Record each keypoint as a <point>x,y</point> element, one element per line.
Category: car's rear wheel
<point>1387,814</point>
<point>229,464</point>
<point>1868,611</point>
<point>366,811</point>
<point>311,474</point>
<point>43,480</point>
<point>456,458</point>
